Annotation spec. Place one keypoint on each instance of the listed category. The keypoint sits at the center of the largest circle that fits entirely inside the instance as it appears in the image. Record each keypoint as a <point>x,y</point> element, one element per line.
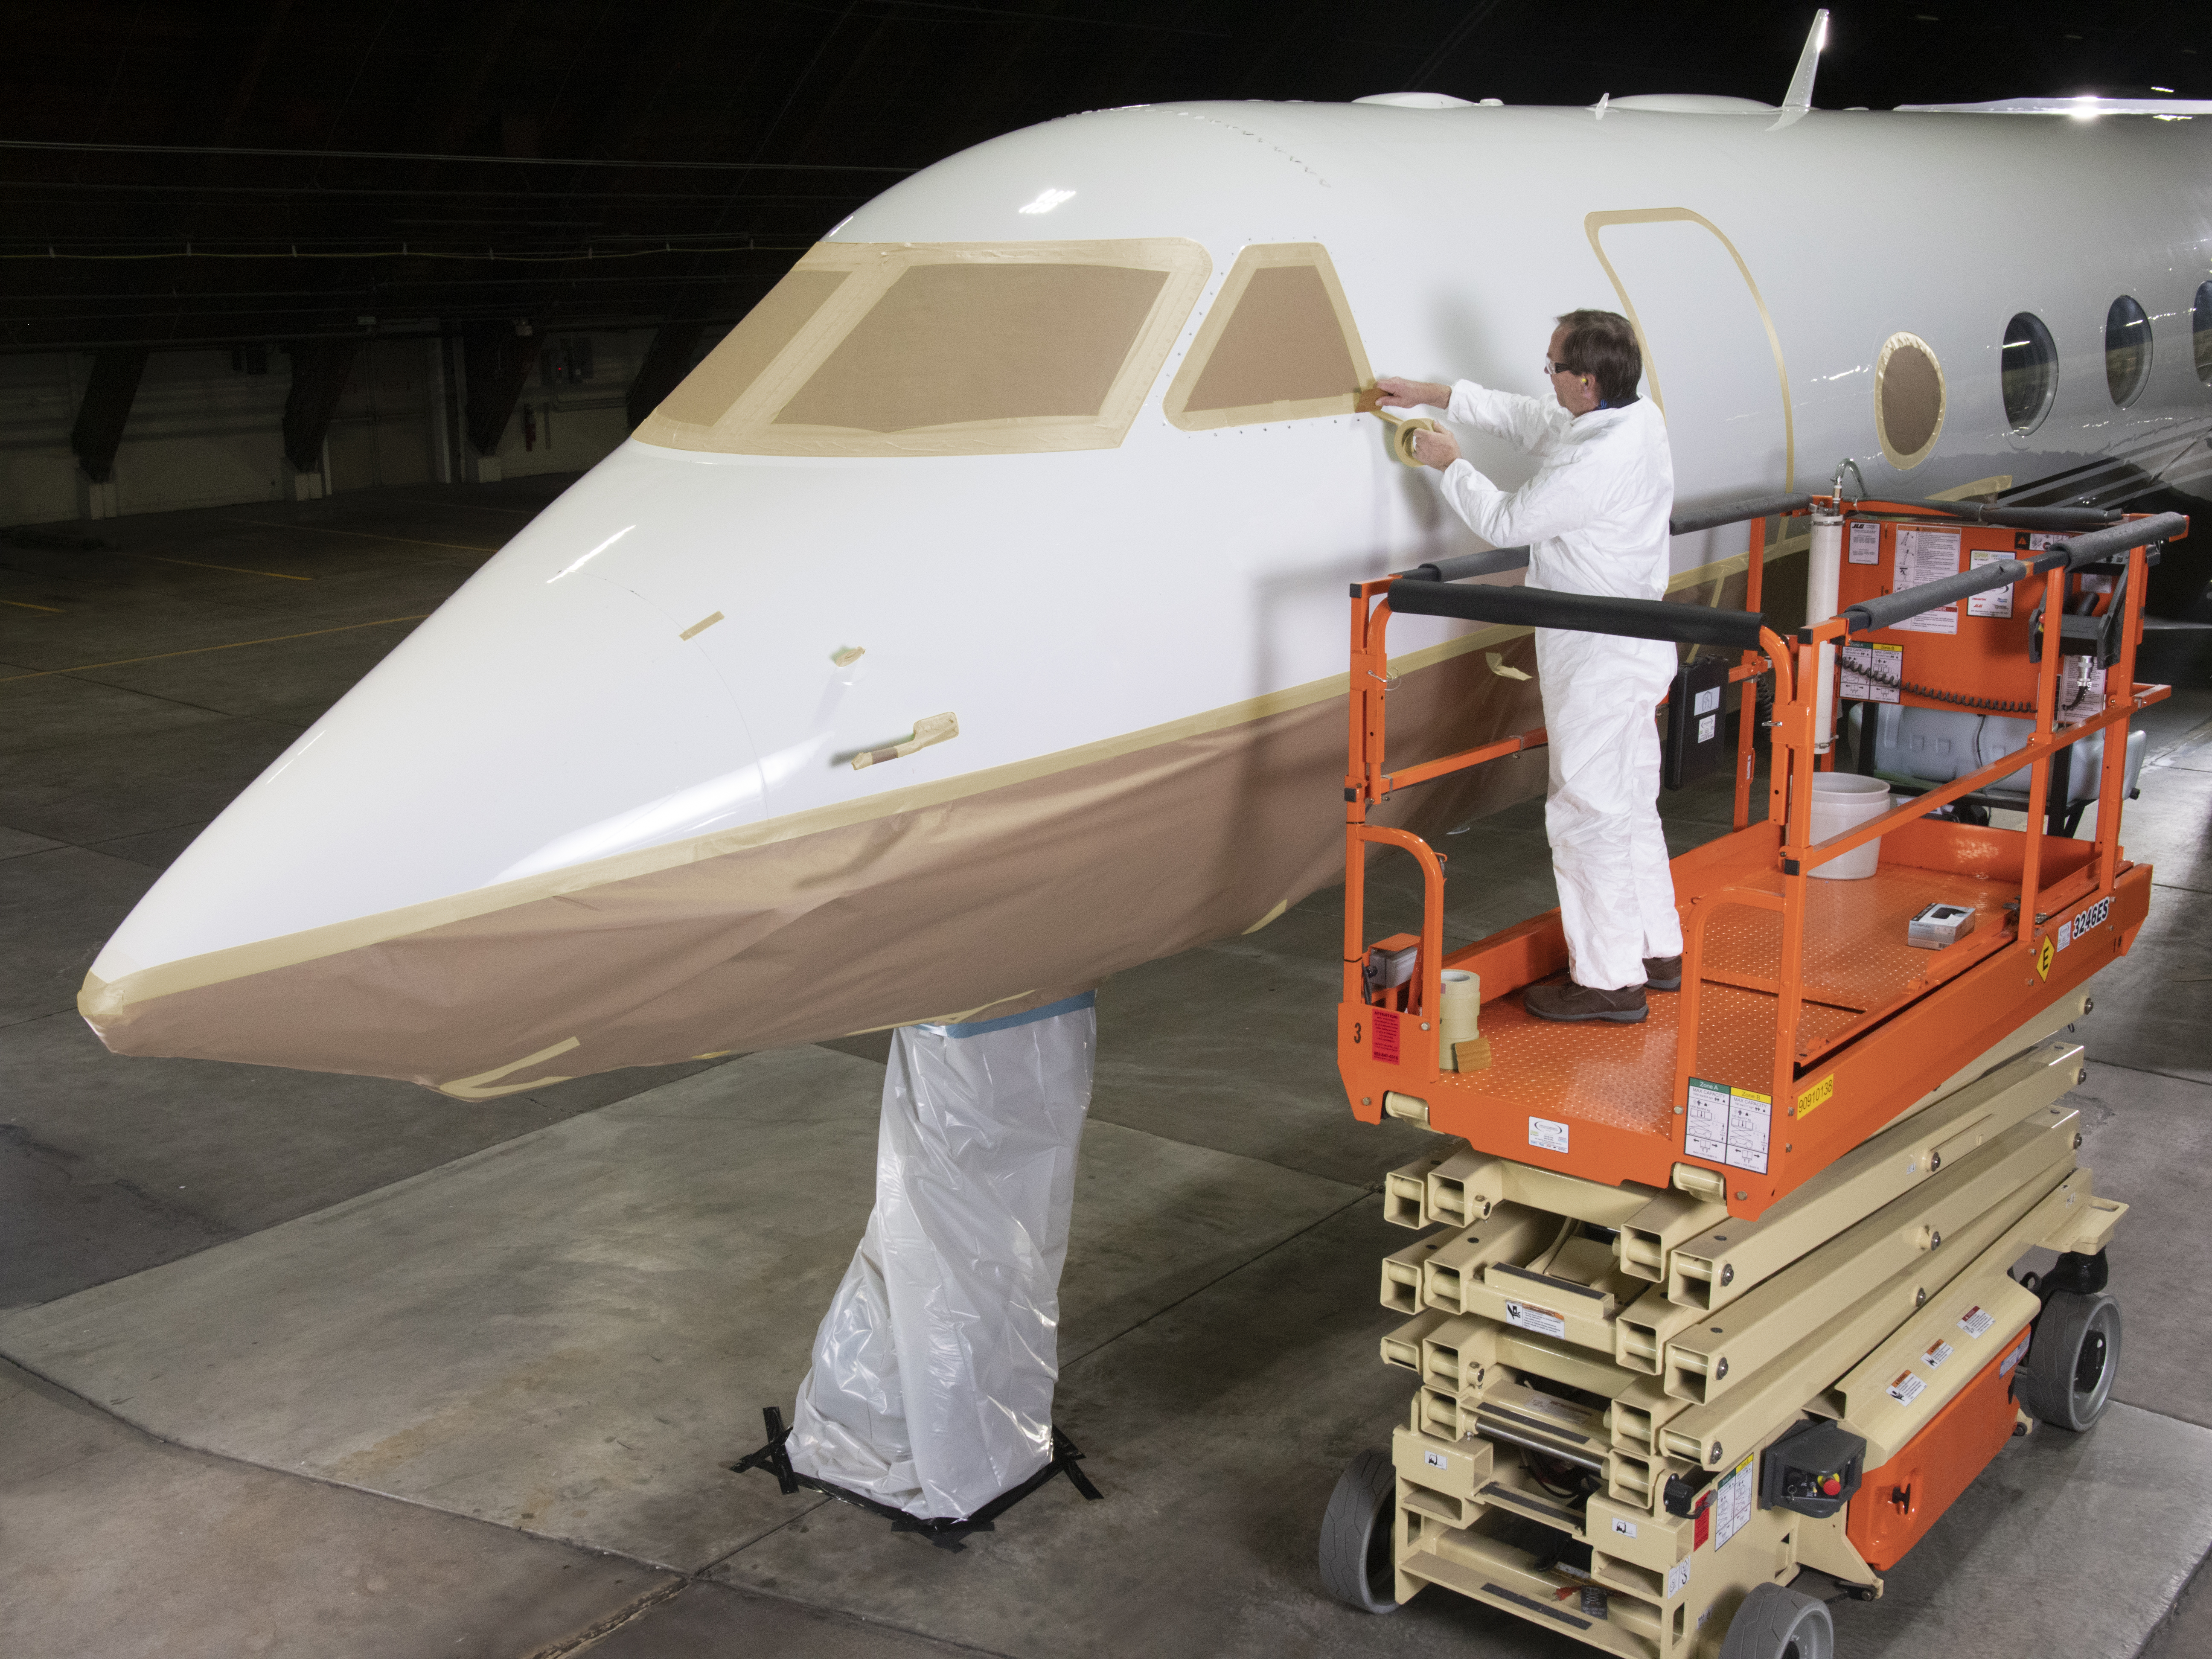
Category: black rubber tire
<point>1355,1531</point>
<point>1774,1623</point>
<point>2066,1380</point>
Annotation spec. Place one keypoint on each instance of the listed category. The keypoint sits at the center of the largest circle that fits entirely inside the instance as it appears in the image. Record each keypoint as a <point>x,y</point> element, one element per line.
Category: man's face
<point>1574,397</point>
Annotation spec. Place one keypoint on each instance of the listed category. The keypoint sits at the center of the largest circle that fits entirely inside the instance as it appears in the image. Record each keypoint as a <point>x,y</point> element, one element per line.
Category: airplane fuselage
<point>634,728</point>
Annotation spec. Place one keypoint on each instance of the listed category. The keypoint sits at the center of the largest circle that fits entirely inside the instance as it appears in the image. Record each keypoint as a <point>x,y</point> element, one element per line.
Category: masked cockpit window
<point>949,344</point>
<point>709,390</point>
<point>943,349</point>
<point>1280,344</point>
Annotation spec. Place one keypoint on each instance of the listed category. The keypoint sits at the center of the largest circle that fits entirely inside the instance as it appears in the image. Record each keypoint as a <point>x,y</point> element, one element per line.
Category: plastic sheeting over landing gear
<point>931,1386</point>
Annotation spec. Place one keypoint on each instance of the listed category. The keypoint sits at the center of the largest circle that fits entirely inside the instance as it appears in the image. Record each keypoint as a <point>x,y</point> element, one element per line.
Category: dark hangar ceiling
<point>179,175</point>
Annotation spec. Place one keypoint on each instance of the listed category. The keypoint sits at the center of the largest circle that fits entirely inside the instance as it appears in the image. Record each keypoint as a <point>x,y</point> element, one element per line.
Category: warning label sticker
<point>1977,1320</point>
<point>1386,1037</point>
<point>1872,673</point>
<point>1727,1125</point>
<point>1542,1321</point>
<point>1547,1134</point>
<point>1732,1502</point>
<point>1907,1388</point>
<point>1678,1578</point>
<point>1936,1355</point>
<point>1624,1526</point>
<point>2005,1366</point>
<point>1436,1460</point>
<point>1707,725</point>
<point>1996,601</point>
<point>1866,543</point>
<point>1924,556</point>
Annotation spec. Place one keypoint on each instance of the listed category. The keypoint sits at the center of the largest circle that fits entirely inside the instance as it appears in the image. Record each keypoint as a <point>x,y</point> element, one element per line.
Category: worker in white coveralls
<point>1594,521</point>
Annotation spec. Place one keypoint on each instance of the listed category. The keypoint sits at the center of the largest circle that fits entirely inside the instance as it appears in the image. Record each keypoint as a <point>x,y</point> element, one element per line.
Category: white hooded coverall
<point>1595,521</point>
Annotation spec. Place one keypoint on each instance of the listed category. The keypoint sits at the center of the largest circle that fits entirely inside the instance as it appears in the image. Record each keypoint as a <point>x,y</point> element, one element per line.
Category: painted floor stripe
<point>364,535</point>
<point>200,650</point>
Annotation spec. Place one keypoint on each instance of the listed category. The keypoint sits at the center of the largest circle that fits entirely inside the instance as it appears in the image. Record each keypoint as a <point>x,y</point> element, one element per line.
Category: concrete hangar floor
<point>298,1365</point>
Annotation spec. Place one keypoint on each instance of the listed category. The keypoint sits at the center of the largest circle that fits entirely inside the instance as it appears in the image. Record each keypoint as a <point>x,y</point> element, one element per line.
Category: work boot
<point>1571,1001</point>
<point>1663,973</point>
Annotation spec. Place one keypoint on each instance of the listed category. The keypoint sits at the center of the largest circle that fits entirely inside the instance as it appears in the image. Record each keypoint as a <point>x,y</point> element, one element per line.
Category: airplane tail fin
<point>1799,98</point>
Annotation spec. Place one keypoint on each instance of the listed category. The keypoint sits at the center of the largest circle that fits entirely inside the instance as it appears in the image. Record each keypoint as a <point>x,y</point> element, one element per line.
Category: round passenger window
<point>2127,350</point>
<point>2030,371</point>
<point>2200,328</point>
<point>1908,399</point>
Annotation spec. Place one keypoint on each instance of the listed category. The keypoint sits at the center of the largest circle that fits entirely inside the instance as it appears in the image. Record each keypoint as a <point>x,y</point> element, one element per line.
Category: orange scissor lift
<point>1846,1143</point>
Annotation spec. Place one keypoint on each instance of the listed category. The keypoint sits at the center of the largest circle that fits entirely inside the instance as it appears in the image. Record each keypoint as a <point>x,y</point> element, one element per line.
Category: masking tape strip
<point>929,729</point>
<point>480,1086</point>
<point>699,626</point>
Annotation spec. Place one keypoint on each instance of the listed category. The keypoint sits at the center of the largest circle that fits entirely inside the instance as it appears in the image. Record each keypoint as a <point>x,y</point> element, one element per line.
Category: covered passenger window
<point>942,348</point>
<point>1908,400</point>
<point>1280,344</point>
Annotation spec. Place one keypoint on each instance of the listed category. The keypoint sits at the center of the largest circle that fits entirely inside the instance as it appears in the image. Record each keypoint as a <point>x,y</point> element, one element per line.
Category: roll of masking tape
<point>1402,440</point>
<point>1461,1011</point>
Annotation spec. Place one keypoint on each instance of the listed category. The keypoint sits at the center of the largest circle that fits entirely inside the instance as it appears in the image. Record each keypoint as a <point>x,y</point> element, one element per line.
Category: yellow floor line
<point>364,535</point>
<point>235,570</point>
<point>474,506</point>
<point>25,605</point>
<point>198,650</point>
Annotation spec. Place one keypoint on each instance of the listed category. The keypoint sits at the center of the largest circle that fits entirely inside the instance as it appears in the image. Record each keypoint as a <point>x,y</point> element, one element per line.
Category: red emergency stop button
<point>1831,1485</point>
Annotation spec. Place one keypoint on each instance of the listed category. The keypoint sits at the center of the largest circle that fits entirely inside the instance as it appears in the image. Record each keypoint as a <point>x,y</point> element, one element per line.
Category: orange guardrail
<point>1868,1026</point>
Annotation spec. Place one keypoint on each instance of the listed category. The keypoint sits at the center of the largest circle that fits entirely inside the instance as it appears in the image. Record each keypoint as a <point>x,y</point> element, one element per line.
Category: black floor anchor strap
<point>945,1532</point>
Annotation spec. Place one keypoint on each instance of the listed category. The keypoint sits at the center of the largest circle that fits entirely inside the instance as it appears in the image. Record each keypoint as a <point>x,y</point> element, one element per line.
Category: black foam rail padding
<point>1581,613</point>
<point>1887,610</point>
<point>1998,515</point>
<point>1758,506</point>
<point>2102,544</point>
<point>1461,566</point>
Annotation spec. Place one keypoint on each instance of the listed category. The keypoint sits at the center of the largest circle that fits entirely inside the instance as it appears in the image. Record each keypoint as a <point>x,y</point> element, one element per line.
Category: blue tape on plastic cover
<point>1064,1005</point>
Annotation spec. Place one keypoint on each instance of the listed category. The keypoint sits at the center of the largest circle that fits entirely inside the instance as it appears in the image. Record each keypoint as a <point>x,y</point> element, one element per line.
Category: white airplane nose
<point>546,717</point>
<point>533,722</point>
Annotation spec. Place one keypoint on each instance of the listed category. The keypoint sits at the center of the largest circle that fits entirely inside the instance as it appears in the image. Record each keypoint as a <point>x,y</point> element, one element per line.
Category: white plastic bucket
<point>1841,801</point>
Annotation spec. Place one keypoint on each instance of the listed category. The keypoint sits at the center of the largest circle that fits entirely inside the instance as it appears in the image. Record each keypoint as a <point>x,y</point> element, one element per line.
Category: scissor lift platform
<point>1879,1023</point>
<point>1813,1016</point>
<point>1737,1290</point>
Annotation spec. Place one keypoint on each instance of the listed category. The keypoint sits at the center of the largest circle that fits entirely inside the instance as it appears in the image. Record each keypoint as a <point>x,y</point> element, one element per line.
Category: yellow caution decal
<point>2043,956</point>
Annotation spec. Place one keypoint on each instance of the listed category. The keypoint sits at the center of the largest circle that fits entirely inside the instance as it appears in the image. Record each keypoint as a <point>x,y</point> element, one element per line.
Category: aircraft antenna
<point>1799,98</point>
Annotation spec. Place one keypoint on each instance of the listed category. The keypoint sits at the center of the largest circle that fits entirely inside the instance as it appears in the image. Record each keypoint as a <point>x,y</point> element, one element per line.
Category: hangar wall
<point>206,427</point>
